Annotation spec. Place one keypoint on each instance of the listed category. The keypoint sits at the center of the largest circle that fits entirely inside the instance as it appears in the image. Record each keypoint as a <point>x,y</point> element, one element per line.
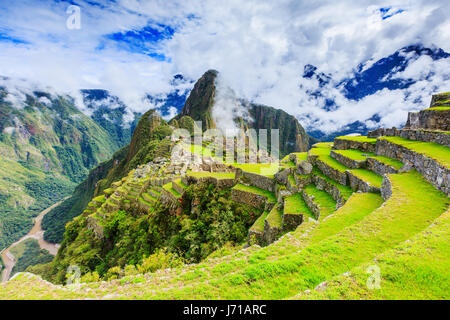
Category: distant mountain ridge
<point>367,79</point>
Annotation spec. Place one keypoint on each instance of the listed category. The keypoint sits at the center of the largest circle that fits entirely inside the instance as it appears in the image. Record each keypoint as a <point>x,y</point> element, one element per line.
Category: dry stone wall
<point>431,170</point>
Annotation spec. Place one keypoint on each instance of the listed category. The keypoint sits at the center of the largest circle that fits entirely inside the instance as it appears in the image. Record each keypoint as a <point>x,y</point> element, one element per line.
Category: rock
<point>408,166</point>
<point>304,167</point>
<point>282,176</point>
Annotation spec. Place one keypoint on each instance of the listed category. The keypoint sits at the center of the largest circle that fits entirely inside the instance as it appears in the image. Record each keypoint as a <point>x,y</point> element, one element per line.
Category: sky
<point>260,48</point>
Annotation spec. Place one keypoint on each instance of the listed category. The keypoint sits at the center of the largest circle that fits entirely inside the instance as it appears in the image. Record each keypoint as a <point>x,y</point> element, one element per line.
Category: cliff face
<point>200,103</point>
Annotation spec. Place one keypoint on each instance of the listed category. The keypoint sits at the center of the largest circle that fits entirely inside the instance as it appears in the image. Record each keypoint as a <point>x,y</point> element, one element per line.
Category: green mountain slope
<point>47,147</point>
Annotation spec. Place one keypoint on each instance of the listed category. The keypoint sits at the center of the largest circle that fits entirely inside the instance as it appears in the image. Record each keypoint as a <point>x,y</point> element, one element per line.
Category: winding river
<point>37,233</point>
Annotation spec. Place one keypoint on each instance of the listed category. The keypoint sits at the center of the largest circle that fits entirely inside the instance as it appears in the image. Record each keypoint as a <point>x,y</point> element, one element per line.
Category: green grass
<point>295,204</point>
<point>217,175</point>
<point>368,176</point>
<point>414,270</point>
<point>327,204</point>
<point>168,187</point>
<point>443,108</point>
<point>354,154</point>
<point>180,183</point>
<point>258,226</point>
<point>389,161</point>
<point>301,156</point>
<point>275,272</point>
<point>275,217</point>
<point>346,191</point>
<point>265,169</point>
<point>326,145</point>
<point>358,139</point>
<point>252,189</point>
<point>291,180</point>
<point>323,154</point>
<point>432,150</point>
<point>148,198</point>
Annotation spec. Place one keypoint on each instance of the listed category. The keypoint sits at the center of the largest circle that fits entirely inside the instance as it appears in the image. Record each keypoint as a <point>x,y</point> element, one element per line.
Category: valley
<point>36,233</point>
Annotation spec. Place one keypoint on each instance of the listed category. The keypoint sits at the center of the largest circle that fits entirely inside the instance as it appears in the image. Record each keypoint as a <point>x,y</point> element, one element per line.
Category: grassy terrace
<point>301,156</point>
<point>295,204</point>
<point>281,272</point>
<point>168,187</point>
<point>149,198</point>
<point>354,154</point>
<point>368,176</point>
<point>265,169</point>
<point>346,191</point>
<point>275,217</point>
<point>414,270</point>
<point>323,154</point>
<point>326,203</point>
<point>252,189</point>
<point>217,175</point>
<point>258,226</point>
<point>432,150</point>
<point>439,108</point>
<point>389,161</point>
<point>358,139</point>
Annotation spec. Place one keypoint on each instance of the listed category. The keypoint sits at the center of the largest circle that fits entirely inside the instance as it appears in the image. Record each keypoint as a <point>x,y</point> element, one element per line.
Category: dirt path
<point>37,233</point>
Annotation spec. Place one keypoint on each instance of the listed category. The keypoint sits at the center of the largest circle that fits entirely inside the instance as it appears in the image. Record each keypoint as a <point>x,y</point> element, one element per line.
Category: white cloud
<point>260,48</point>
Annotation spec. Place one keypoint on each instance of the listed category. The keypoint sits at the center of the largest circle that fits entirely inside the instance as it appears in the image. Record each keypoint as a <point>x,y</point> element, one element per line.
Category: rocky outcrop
<point>94,225</point>
<point>343,144</point>
<point>434,172</point>
<point>304,167</point>
<point>429,119</point>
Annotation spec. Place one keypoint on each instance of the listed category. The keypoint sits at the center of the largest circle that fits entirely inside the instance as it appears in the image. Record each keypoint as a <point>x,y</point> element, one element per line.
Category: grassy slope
<point>416,269</point>
<point>326,203</point>
<point>405,214</point>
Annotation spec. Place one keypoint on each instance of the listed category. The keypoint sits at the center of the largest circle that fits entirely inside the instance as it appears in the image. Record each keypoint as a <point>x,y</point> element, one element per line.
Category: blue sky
<point>134,48</point>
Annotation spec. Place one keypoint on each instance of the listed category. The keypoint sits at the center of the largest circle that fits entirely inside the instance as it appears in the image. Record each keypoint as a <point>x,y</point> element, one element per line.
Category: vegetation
<point>295,204</point>
<point>368,176</point>
<point>327,205</point>
<point>28,253</point>
<point>193,235</point>
<point>355,154</point>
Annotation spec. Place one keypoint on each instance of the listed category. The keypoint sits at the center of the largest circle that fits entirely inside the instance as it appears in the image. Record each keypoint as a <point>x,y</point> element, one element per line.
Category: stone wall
<point>353,164</point>
<point>336,175</point>
<point>94,225</point>
<point>168,199</point>
<point>413,134</point>
<point>429,119</point>
<point>358,184</point>
<point>331,189</point>
<point>379,167</point>
<point>258,180</point>
<point>291,221</point>
<point>248,198</point>
<point>312,205</point>
<point>344,144</point>
<point>386,188</point>
<point>219,183</point>
<point>271,233</point>
<point>430,169</point>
